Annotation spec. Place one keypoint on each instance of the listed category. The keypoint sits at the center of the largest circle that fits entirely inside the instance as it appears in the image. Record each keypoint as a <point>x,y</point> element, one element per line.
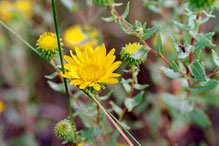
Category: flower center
<point>48,43</point>
<point>91,72</point>
<point>132,48</point>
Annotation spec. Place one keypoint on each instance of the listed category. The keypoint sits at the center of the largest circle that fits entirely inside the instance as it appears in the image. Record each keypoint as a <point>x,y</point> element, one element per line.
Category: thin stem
<point>98,115</point>
<point>63,70</point>
<point>26,43</point>
<point>110,118</point>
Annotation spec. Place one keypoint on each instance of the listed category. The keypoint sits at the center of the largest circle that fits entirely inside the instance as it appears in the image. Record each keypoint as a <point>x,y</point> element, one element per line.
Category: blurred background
<point>29,105</point>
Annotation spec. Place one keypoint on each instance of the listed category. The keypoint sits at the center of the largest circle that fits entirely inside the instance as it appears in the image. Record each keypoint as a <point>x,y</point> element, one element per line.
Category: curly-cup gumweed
<point>90,68</point>
<point>134,54</point>
<point>64,129</point>
<point>47,45</point>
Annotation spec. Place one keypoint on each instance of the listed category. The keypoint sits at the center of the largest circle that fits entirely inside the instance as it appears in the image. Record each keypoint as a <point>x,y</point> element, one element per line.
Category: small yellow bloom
<point>6,11</point>
<point>79,36</point>
<point>48,41</point>
<point>90,68</point>
<point>24,7</point>
<point>2,106</point>
<point>132,48</point>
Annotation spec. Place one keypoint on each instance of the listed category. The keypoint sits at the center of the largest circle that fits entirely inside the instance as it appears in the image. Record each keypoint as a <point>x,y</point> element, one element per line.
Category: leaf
<point>197,71</point>
<point>159,48</point>
<point>181,26</point>
<point>140,53</point>
<point>130,103</point>
<point>170,73</point>
<point>204,40</point>
<point>215,58</point>
<point>56,87</point>
<point>199,117</point>
<point>126,12</point>
<point>174,66</point>
<point>209,85</point>
<point>148,33</point>
<point>182,104</point>
<point>126,30</point>
<point>125,84</point>
<point>52,76</point>
<point>108,19</point>
<point>140,87</point>
<point>106,96</point>
<point>116,108</point>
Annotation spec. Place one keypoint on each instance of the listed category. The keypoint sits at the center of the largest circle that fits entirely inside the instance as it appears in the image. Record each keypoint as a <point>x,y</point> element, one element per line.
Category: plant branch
<point>63,70</point>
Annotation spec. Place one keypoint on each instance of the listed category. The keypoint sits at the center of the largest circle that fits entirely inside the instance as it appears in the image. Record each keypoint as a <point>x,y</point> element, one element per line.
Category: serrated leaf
<point>57,87</point>
<point>126,12</point>
<point>182,26</point>
<point>170,73</point>
<point>126,30</point>
<point>215,58</point>
<point>197,71</point>
<point>140,87</point>
<point>52,76</point>
<point>204,40</point>
<point>108,19</point>
<point>106,96</point>
<point>180,103</point>
<point>209,85</point>
<point>116,108</point>
<point>148,33</point>
<point>200,118</point>
<point>174,66</point>
<point>130,103</point>
<point>159,47</point>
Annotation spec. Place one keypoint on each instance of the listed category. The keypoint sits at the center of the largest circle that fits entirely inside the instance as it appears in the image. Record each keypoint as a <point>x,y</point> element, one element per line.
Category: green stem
<point>63,70</point>
<point>26,43</point>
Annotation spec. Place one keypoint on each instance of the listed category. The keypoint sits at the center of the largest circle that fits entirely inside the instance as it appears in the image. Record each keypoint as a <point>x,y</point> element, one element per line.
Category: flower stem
<point>63,70</point>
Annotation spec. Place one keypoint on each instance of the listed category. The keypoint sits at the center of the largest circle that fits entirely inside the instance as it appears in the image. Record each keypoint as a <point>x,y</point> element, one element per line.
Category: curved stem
<point>63,70</point>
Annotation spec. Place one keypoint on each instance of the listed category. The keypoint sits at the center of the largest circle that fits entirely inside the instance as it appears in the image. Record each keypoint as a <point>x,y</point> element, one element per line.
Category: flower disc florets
<point>90,68</point>
<point>47,45</point>
<point>64,129</point>
<point>134,53</point>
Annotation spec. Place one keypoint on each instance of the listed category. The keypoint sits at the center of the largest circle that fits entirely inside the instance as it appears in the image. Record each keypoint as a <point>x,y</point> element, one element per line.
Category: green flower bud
<point>64,129</point>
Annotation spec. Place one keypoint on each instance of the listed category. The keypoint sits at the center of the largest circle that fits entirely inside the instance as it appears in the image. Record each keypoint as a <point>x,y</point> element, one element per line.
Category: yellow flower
<point>79,36</point>
<point>6,11</point>
<point>24,7</point>
<point>2,106</point>
<point>90,68</point>
<point>132,48</point>
<point>48,41</point>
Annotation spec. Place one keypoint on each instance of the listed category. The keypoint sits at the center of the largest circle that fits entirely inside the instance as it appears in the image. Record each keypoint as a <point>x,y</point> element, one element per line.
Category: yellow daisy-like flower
<point>132,48</point>
<point>24,7</point>
<point>90,68</point>
<point>6,11</point>
<point>79,36</point>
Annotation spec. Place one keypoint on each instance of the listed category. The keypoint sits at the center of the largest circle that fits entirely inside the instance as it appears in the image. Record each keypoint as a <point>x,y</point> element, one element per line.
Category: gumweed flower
<point>6,11</point>
<point>91,68</point>
<point>24,7</point>
<point>47,45</point>
<point>64,129</point>
<point>78,36</point>
<point>134,53</point>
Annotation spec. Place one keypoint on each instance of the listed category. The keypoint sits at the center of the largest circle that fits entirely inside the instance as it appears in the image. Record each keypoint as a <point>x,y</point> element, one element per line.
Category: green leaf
<point>125,84</point>
<point>204,40</point>
<point>159,48</point>
<point>140,87</point>
<point>116,108</point>
<point>56,87</point>
<point>126,30</point>
<point>181,26</point>
<point>106,96</point>
<point>181,104</point>
<point>108,19</point>
<point>197,71</point>
<point>215,58</point>
<point>209,85</point>
<point>170,73</point>
<point>130,103</point>
<point>148,33</point>
<point>174,66</point>
<point>140,53</point>
<point>199,117</point>
<point>126,12</point>
<point>52,76</point>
